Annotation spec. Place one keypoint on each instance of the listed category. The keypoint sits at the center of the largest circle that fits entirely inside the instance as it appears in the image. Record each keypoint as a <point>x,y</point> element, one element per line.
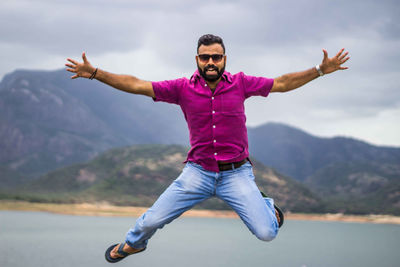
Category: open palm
<point>84,69</point>
<point>334,63</point>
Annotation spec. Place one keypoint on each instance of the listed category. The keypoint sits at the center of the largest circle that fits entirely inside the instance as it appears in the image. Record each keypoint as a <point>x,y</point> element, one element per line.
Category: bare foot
<point>114,253</point>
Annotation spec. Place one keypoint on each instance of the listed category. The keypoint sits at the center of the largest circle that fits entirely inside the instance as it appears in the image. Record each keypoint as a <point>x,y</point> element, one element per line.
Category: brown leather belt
<point>231,165</point>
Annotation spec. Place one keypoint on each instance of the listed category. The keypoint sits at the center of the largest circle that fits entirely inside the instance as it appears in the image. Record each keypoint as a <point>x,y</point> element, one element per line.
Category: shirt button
<point>213,126</point>
<point>215,140</point>
<point>215,153</point>
<point>205,85</point>
<point>213,111</point>
<point>212,98</point>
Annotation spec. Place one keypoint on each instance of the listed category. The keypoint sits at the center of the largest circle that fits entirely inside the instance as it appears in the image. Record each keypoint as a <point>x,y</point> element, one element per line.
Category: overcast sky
<point>156,40</point>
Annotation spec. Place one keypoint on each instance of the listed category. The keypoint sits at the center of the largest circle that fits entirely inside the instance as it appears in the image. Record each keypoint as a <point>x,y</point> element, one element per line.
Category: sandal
<point>280,212</point>
<point>120,252</point>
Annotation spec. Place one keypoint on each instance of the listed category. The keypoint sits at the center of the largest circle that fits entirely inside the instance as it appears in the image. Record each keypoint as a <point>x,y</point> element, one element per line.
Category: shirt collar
<point>226,76</point>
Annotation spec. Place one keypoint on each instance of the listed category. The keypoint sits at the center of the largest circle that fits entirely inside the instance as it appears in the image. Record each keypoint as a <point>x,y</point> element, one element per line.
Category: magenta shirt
<point>216,121</point>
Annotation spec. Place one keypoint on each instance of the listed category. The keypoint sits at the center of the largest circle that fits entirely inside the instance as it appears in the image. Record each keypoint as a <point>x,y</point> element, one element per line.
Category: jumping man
<point>218,164</point>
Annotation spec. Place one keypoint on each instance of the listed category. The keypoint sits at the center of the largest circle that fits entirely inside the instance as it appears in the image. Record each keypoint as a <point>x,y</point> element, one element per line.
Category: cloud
<point>157,40</point>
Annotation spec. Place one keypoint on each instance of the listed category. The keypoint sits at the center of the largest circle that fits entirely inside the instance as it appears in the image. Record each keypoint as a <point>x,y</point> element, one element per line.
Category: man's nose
<point>210,59</point>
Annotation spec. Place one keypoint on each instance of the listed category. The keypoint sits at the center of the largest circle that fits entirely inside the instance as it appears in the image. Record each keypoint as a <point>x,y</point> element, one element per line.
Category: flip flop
<point>120,252</point>
<point>281,216</point>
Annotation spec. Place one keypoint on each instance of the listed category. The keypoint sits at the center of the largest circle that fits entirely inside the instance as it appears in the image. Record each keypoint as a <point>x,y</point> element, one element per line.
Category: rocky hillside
<point>359,187</point>
<point>137,175</point>
<point>48,121</point>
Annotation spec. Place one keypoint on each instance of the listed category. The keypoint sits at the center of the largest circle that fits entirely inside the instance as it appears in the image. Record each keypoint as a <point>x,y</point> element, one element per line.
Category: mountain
<point>299,155</point>
<point>351,175</point>
<point>49,121</point>
<point>137,175</point>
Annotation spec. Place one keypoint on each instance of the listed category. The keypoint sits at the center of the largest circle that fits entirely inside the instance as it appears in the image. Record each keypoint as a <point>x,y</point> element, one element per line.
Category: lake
<point>50,240</point>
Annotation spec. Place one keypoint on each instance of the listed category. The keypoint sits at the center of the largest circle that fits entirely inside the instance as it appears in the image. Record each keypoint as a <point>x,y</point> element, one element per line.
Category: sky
<point>157,40</point>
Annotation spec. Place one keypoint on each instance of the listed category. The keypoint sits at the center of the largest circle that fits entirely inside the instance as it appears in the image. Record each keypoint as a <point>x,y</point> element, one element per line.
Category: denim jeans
<point>194,185</point>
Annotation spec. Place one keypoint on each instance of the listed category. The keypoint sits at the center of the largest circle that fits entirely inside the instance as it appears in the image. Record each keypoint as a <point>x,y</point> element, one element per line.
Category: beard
<point>213,77</point>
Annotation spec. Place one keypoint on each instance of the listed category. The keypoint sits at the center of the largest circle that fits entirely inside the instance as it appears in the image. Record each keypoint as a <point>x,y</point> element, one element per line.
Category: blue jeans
<point>194,185</point>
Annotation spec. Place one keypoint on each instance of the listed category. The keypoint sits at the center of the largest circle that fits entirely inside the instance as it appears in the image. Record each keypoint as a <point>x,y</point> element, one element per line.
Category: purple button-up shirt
<point>216,121</point>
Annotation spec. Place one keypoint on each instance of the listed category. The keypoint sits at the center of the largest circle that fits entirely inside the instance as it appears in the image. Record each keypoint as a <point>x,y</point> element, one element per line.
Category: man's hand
<point>332,64</point>
<point>84,69</point>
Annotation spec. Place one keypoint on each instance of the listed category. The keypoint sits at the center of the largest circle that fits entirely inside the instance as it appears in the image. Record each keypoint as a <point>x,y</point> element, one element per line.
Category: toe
<point>114,253</point>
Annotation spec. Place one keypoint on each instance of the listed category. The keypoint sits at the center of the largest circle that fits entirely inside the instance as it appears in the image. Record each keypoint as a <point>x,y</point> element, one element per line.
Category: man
<point>217,164</point>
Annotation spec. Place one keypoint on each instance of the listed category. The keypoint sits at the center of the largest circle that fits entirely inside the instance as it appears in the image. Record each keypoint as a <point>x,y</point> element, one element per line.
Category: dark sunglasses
<point>215,57</point>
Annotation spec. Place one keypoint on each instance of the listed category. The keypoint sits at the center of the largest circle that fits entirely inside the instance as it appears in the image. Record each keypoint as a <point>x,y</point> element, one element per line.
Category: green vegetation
<point>137,175</point>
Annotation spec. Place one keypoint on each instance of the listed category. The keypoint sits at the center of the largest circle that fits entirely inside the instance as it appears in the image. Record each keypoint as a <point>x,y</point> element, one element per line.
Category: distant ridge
<point>299,154</point>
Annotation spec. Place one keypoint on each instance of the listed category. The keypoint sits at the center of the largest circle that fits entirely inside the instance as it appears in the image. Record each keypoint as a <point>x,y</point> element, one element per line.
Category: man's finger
<point>339,53</point>
<point>343,60</point>
<point>75,76</point>
<point>69,65</point>
<point>325,54</point>
<point>343,56</point>
<point>71,70</point>
<point>84,57</point>
<point>72,61</point>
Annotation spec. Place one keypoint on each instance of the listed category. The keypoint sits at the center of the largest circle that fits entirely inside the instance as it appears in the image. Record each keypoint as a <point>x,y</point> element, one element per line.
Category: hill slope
<point>49,121</point>
<point>137,175</point>
<point>351,175</point>
<point>299,154</point>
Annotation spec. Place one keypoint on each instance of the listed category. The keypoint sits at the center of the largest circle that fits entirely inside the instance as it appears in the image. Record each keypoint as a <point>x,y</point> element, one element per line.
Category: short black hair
<point>209,39</point>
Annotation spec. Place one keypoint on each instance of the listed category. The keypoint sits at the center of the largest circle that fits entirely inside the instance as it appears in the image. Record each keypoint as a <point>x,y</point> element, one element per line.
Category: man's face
<point>211,62</point>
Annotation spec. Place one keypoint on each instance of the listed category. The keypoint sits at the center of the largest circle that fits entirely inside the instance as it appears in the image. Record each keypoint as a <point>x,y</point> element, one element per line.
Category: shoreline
<point>108,210</point>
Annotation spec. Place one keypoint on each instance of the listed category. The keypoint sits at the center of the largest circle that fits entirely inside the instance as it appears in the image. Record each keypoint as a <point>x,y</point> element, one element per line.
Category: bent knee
<point>266,234</point>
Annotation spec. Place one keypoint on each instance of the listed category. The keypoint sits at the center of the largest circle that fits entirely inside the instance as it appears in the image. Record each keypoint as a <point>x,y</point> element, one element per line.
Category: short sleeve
<point>167,91</point>
<point>256,86</point>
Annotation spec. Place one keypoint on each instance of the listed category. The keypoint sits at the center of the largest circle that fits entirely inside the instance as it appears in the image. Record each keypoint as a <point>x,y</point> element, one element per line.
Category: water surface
<point>49,240</point>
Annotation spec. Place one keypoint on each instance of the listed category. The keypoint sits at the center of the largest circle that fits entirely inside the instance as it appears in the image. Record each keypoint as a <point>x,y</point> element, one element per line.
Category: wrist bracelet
<point>93,74</point>
<point>319,70</point>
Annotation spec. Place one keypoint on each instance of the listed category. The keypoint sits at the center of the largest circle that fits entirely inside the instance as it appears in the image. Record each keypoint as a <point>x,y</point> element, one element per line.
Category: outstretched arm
<point>294,80</point>
<point>122,82</point>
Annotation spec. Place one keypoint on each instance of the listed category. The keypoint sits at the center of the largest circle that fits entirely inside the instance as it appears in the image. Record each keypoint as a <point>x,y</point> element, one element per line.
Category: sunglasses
<point>206,57</point>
